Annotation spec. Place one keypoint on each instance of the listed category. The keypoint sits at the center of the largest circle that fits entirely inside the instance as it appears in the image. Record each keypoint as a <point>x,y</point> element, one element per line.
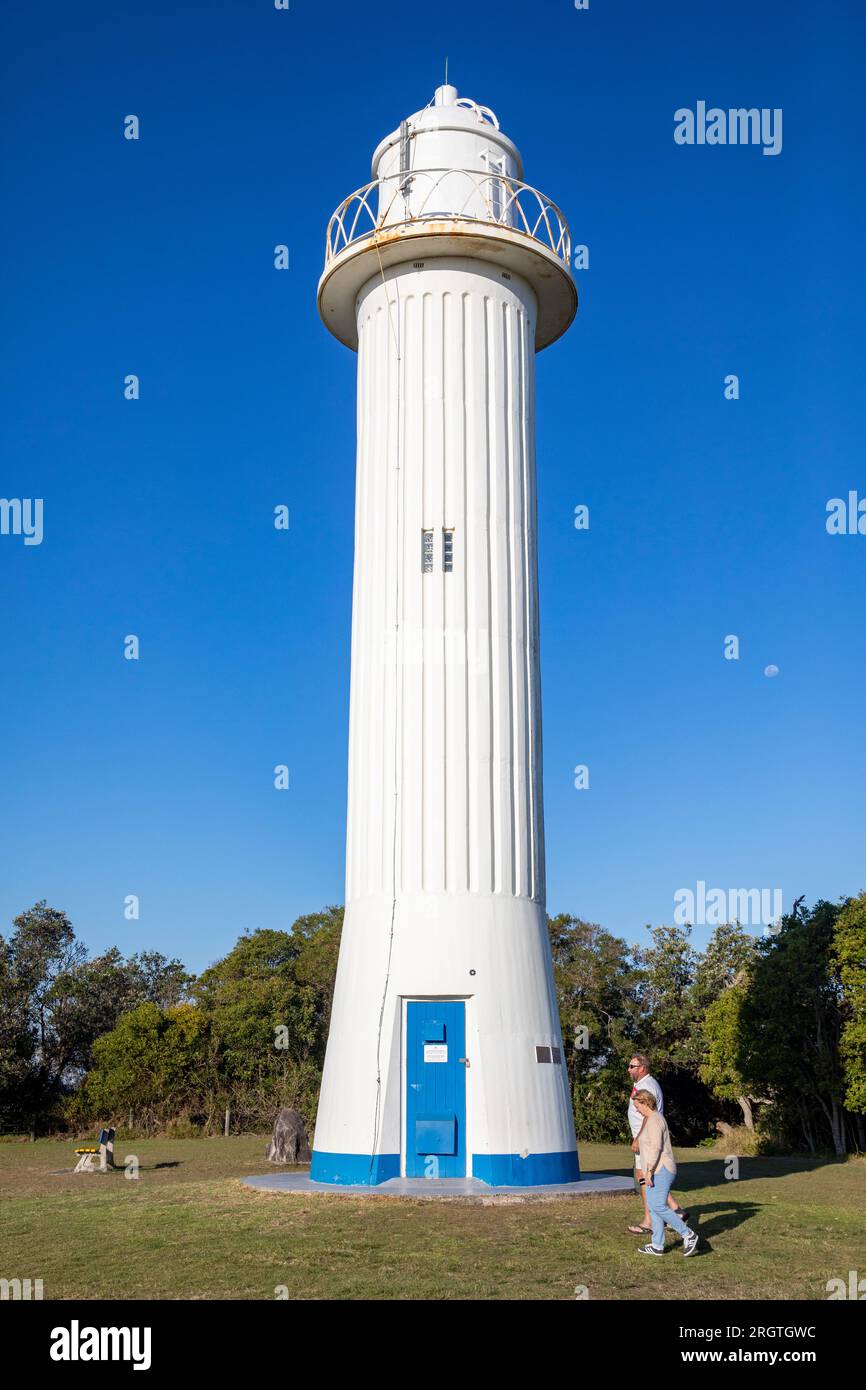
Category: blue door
<point>435,1089</point>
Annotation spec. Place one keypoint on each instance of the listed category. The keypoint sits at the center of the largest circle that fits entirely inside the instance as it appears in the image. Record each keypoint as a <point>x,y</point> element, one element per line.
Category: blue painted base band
<point>354,1169</point>
<point>510,1170</point>
<point>499,1170</point>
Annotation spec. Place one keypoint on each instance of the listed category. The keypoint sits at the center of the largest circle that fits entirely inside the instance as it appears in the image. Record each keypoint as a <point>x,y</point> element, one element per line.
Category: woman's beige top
<point>655,1145</point>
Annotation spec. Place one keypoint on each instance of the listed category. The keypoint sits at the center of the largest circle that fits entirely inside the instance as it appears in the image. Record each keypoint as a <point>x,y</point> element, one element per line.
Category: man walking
<point>639,1073</point>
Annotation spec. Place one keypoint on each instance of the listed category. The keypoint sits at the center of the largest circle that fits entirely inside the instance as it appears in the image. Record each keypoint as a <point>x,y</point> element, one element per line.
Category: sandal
<point>640,1230</point>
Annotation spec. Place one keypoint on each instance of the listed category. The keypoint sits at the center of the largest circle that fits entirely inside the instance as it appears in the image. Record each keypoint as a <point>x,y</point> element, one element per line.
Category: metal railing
<point>406,199</point>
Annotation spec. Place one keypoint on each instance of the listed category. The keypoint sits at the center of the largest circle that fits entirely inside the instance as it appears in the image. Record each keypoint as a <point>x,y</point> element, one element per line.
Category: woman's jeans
<point>660,1212</point>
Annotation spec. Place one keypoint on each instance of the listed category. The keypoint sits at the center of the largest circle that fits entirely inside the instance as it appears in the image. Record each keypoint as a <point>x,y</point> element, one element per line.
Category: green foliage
<point>790,1028</point>
<point>252,1040</point>
<point>722,1031</point>
<point>247,996</point>
<point>669,1029</point>
<point>57,1003</point>
<point>596,982</point>
<point>720,989</point>
<point>730,952</point>
<point>779,1024</point>
<point>267,1005</point>
<point>849,953</point>
<point>41,1031</point>
<point>149,1064</point>
<point>667,1005</point>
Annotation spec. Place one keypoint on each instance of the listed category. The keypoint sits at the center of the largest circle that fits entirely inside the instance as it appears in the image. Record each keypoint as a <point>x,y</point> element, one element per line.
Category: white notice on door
<point>435,1052</point>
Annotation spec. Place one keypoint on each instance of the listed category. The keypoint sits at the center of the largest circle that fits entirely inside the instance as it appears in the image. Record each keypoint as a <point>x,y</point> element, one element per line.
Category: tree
<point>318,935</point>
<point>791,1024</point>
<point>730,951</point>
<point>38,1044</point>
<point>87,1000</point>
<point>17,1042</point>
<point>667,1004</point>
<point>781,1019</point>
<point>148,1065</point>
<point>156,980</point>
<point>56,1003</point>
<point>595,981</point>
<point>677,984</point>
<point>849,954</point>
<point>722,1032</point>
<point>718,991</point>
<point>267,1005</point>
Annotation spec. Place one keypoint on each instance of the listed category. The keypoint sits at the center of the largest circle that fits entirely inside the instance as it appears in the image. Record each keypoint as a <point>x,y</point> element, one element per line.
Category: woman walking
<point>659,1170</point>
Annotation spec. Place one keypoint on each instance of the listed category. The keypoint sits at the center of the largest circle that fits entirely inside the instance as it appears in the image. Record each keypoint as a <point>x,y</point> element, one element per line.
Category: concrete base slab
<point>445,1189</point>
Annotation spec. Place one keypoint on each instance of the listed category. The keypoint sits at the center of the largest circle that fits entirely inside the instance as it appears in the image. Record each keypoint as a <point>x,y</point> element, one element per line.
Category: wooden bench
<point>103,1151</point>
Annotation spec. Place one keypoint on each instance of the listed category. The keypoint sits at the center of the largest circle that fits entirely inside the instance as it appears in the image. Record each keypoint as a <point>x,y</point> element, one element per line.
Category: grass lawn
<point>187,1229</point>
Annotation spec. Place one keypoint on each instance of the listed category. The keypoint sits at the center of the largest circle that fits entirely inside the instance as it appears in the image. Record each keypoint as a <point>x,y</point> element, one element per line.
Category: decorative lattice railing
<point>426,195</point>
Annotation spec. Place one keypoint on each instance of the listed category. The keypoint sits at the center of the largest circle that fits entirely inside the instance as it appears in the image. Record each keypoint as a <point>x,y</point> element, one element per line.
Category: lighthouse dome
<point>451,132</point>
<point>448,182</point>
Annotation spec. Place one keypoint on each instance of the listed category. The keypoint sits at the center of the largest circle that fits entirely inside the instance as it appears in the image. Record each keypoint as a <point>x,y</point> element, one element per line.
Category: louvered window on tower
<point>448,551</point>
<point>427,552</point>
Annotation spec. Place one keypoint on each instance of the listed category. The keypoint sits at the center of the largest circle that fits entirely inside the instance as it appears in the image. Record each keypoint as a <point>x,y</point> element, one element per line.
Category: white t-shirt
<point>635,1118</point>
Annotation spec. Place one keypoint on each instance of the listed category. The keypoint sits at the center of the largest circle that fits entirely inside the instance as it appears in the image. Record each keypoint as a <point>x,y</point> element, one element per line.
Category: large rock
<point>289,1143</point>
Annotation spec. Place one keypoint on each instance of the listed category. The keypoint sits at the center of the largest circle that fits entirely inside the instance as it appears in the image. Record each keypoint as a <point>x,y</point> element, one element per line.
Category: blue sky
<point>707,516</point>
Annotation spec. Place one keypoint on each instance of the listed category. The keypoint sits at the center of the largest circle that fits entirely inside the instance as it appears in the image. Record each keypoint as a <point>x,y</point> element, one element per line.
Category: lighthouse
<point>446,274</point>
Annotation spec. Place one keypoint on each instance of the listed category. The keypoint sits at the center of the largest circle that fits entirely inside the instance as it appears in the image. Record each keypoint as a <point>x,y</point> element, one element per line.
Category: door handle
<point>465,1061</point>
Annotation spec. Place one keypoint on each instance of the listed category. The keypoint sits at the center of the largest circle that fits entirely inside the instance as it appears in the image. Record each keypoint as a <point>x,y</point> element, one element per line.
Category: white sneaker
<point>690,1242</point>
<point>650,1250</point>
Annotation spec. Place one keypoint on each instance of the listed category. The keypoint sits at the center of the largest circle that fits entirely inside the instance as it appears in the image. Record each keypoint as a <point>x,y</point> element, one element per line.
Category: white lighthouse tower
<point>446,273</point>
